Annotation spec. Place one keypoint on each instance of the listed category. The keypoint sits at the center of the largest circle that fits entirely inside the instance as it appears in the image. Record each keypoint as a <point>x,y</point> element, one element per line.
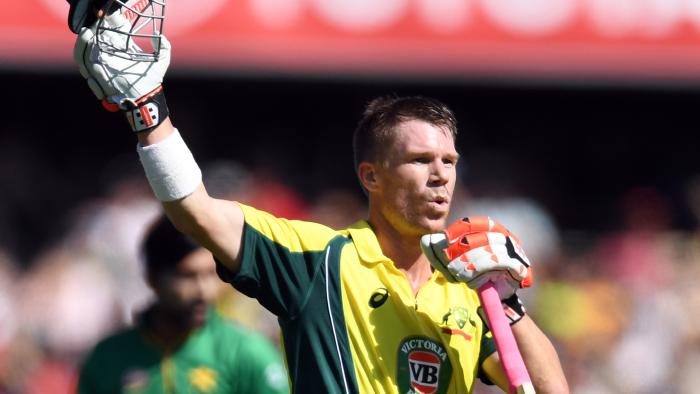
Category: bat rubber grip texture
<point>512,361</point>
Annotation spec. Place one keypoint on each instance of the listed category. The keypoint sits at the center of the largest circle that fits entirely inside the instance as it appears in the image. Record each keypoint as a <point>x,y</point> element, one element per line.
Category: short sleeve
<point>488,347</point>
<point>279,260</point>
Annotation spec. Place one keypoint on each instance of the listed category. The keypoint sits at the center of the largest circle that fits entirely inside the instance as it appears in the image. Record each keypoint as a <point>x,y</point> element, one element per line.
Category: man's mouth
<point>440,201</point>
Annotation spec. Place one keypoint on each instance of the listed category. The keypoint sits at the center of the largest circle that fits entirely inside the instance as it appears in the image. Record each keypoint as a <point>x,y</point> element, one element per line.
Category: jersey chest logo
<point>424,366</point>
<point>458,321</point>
<point>379,297</point>
<point>203,379</point>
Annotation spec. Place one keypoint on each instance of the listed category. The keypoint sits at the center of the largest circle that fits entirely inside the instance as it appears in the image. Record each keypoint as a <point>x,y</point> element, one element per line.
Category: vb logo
<point>424,366</point>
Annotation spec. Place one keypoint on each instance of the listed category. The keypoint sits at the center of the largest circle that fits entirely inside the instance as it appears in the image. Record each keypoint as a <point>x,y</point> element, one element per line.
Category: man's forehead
<point>416,134</point>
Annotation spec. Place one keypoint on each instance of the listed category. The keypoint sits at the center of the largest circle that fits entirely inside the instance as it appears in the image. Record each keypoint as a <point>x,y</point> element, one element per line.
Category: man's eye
<point>421,160</point>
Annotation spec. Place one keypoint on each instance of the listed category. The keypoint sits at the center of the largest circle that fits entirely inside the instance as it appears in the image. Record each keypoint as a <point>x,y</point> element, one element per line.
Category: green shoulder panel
<point>279,260</point>
<point>309,293</point>
<point>293,269</point>
<point>316,340</point>
<point>278,277</point>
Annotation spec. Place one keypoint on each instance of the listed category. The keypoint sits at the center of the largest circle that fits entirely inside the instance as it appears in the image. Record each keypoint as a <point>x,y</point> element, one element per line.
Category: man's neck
<point>403,250</point>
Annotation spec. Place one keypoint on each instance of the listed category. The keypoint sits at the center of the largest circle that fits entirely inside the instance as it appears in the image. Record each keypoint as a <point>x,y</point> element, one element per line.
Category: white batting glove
<point>123,84</point>
<point>477,250</point>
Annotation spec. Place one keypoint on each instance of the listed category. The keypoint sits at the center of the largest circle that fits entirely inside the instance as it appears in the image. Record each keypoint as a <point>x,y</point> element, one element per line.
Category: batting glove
<point>477,250</point>
<point>134,87</point>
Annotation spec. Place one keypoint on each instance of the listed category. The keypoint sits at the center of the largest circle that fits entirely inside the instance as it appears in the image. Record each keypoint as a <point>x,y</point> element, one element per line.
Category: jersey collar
<point>366,243</point>
<point>368,248</point>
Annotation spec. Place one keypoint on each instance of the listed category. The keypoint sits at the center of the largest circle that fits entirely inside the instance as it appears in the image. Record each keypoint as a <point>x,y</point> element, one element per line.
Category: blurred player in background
<point>181,344</point>
<point>361,310</point>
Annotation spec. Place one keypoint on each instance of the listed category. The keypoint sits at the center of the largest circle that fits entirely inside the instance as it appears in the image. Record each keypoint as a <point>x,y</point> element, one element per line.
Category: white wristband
<point>170,168</point>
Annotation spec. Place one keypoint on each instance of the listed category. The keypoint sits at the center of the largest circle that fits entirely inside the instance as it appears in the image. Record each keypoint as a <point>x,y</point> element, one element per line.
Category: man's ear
<point>367,173</point>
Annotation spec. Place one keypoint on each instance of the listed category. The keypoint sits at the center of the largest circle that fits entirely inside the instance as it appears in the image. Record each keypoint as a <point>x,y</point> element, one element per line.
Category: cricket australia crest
<point>458,321</point>
<point>423,366</point>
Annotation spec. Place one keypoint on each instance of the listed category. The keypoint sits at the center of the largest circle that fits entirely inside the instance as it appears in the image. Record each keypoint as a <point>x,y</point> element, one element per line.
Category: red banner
<point>546,38</point>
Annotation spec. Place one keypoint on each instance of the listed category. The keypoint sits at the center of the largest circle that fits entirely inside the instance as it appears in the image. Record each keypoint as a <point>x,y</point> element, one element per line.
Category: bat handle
<point>512,361</point>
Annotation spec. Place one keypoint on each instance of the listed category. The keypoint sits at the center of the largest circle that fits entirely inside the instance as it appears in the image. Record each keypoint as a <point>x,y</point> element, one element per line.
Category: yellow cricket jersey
<point>350,322</point>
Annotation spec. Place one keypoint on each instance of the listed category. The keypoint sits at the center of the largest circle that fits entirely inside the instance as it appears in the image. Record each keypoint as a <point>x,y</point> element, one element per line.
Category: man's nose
<point>439,173</point>
<point>206,287</point>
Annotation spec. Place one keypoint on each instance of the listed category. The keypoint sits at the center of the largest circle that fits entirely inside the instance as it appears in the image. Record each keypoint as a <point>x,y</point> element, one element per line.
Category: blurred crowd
<point>620,306</point>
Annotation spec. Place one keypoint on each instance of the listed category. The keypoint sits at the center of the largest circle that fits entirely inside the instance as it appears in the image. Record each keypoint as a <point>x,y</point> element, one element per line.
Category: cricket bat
<point>512,361</point>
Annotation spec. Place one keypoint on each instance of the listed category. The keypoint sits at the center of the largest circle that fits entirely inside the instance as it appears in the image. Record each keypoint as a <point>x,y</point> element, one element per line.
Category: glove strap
<point>150,111</point>
<point>512,307</point>
<point>145,113</point>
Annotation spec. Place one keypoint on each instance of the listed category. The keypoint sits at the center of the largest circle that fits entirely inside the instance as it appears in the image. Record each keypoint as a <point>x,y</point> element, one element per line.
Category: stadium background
<point>577,128</point>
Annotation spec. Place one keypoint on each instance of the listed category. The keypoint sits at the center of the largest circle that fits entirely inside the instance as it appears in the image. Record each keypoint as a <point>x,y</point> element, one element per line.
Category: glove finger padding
<point>80,50</point>
<point>476,250</point>
<point>434,246</point>
<point>119,79</point>
<point>471,226</point>
<point>96,88</point>
<point>491,253</point>
<point>164,54</point>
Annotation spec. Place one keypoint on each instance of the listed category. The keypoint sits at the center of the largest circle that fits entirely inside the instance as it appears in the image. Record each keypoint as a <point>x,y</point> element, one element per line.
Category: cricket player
<point>180,344</point>
<point>361,310</point>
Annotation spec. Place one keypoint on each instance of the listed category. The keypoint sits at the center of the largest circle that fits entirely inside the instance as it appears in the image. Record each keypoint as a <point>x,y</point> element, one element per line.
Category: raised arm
<point>132,84</point>
<point>216,224</point>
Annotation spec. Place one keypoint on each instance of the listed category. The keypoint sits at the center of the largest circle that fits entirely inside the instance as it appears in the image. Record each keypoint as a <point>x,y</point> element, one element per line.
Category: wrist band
<point>170,168</point>
<point>150,111</point>
<point>143,114</point>
<point>513,308</point>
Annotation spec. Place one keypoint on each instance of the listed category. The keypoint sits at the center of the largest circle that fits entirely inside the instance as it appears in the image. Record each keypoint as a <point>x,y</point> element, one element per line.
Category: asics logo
<point>379,297</point>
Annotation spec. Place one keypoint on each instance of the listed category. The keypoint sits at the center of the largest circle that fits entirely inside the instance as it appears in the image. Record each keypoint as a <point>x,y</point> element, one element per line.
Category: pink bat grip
<point>512,361</point>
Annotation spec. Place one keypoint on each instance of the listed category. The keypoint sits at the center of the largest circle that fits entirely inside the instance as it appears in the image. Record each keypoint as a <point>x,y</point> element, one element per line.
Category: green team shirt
<point>350,321</point>
<point>219,357</point>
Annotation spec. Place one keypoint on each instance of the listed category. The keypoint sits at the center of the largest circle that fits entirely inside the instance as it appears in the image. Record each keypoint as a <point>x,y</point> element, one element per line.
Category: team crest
<point>423,366</point>
<point>203,379</point>
<point>458,321</point>
<point>460,316</point>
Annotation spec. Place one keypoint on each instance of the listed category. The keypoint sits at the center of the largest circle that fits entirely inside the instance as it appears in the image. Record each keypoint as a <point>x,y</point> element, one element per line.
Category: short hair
<point>383,114</point>
<point>164,247</point>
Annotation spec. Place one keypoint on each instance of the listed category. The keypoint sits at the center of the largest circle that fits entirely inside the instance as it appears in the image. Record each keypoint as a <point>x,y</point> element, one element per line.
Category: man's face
<point>189,288</point>
<point>417,177</point>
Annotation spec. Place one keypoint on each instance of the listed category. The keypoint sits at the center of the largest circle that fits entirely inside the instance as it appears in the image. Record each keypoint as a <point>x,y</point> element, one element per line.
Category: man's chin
<point>198,316</point>
<point>198,321</point>
<point>430,226</point>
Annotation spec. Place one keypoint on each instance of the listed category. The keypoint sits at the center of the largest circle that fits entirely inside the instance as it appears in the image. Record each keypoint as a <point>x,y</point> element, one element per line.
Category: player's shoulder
<point>116,342</point>
<point>296,235</point>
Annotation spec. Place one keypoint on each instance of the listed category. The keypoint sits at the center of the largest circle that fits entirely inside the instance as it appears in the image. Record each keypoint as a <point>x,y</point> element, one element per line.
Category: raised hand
<point>478,249</point>
<point>122,83</point>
